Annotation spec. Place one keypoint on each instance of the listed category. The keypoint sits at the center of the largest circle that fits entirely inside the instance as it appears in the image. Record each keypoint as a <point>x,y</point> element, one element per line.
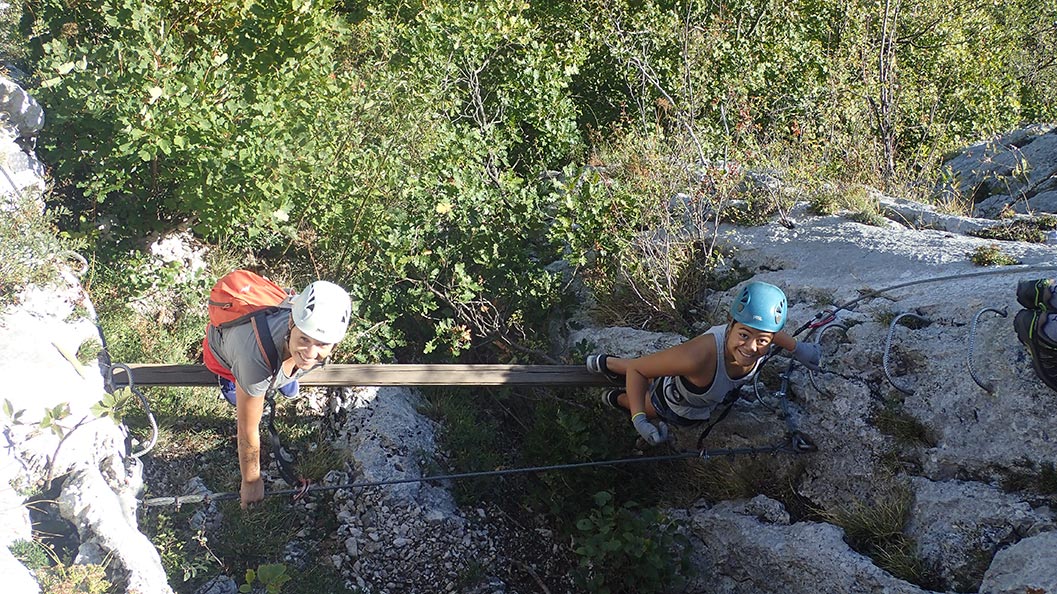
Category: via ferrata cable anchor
<point>885,361</point>
<point>987,384</point>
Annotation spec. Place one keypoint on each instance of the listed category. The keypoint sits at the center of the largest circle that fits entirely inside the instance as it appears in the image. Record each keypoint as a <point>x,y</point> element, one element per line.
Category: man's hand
<point>654,435</point>
<point>251,492</point>
<point>809,354</point>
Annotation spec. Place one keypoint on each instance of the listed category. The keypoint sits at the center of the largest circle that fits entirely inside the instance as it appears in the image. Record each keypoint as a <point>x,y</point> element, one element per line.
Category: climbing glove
<point>653,434</point>
<point>808,354</point>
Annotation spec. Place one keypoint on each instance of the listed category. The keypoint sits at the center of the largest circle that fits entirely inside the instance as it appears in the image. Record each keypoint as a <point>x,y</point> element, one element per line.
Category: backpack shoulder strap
<point>261,331</point>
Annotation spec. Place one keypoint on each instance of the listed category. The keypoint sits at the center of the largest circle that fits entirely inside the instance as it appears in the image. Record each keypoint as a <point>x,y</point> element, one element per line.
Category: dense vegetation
<point>435,158</point>
<point>412,151</point>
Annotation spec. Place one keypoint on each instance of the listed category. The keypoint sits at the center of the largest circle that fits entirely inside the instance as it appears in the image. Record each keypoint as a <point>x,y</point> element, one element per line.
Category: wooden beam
<point>385,375</point>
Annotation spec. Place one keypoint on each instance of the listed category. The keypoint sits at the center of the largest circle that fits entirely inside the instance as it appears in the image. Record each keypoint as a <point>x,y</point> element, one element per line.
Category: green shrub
<point>31,553</point>
<point>204,119</point>
<point>31,248</point>
<point>472,436</point>
<point>86,579</point>
<point>991,255</point>
<point>1031,231</point>
<point>270,575</point>
<point>56,577</point>
<point>624,548</point>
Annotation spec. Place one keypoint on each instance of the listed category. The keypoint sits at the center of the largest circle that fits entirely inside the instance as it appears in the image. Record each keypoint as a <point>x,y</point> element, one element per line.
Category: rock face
<point>1017,170</point>
<point>97,481</point>
<point>1024,568</point>
<point>21,118</point>
<point>400,538</point>
<point>960,524</point>
<point>974,462</point>
<point>750,547</point>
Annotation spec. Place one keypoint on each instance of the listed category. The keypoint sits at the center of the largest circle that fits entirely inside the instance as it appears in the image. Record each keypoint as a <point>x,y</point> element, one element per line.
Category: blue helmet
<point>761,306</point>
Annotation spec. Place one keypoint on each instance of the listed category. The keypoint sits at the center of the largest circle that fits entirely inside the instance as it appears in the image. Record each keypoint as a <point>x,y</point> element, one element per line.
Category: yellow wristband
<point>635,416</point>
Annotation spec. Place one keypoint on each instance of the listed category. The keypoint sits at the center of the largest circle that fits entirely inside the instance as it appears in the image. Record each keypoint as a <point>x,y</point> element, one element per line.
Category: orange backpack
<point>241,297</point>
<point>240,294</point>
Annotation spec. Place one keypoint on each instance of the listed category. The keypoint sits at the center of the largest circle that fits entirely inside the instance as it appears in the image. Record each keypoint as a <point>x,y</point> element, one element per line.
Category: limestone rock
<point>625,342</point>
<point>412,530</point>
<point>42,337</point>
<point>21,118</point>
<point>22,113</point>
<point>1025,568</point>
<point>89,503</point>
<point>219,585</point>
<point>958,525</point>
<point>738,553</point>
<point>1017,170</point>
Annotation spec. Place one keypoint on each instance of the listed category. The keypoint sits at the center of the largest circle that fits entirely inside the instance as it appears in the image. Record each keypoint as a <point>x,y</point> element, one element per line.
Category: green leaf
<point>64,68</point>
<point>603,497</point>
<point>269,573</point>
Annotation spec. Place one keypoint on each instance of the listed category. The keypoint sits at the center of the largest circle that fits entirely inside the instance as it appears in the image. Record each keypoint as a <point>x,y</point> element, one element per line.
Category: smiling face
<point>307,351</point>
<point>746,345</point>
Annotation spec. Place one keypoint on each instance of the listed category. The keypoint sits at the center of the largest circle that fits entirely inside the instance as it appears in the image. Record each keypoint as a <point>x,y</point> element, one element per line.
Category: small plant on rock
<point>894,420</point>
<point>270,575</point>
<point>991,255</point>
<point>1034,231</point>
<point>875,529</point>
<point>113,405</point>
<point>56,577</point>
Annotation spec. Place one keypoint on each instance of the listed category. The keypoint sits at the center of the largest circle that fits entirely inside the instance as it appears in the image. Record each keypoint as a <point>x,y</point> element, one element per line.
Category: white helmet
<point>322,311</point>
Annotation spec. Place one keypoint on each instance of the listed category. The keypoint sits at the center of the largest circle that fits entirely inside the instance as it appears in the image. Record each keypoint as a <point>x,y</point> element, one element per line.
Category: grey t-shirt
<point>236,348</point>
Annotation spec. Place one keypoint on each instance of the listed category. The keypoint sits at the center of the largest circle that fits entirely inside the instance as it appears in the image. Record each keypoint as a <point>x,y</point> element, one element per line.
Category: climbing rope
<point>870,294</point>
<point>143,400</point>
<point>987,385</point>
<point>785,446</point>
<point>106,366</point>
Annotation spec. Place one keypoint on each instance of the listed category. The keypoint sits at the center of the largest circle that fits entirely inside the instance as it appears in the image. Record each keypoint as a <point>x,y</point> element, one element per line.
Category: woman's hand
<point>251,492</point>
<point>653,434</point>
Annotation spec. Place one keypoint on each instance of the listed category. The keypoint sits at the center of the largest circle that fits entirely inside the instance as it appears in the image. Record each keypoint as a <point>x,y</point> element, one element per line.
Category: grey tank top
<point>236,348</point>
<point>689,401</point>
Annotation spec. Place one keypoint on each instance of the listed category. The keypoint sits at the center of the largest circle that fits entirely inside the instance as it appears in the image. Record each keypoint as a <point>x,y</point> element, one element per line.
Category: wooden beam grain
<point>385,375</point>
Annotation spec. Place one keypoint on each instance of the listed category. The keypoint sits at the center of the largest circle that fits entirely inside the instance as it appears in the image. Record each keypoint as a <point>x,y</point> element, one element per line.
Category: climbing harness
<point>987,385</point>
<point>285,460</point>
